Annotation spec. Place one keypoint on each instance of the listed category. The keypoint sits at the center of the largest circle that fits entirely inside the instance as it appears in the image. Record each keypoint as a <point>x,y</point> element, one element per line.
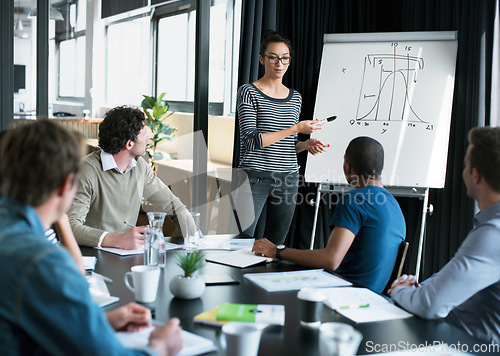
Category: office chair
<point>398,265</point>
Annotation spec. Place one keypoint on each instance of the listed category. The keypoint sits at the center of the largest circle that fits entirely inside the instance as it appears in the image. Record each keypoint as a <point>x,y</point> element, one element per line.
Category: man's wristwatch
<point>279,248</point>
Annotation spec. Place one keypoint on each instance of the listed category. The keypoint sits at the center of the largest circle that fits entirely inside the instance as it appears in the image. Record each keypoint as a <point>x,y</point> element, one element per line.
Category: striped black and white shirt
<point>258,114</point>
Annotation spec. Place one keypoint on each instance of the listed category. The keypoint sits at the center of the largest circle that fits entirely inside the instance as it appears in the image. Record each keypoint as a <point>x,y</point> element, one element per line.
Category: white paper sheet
<point>295,280</point>
<point>139,251</point>
<point>362,305</point>
<point>218,242</point>
<point>192,344</point>
<point>89,262</point>
<point>239,258</point>
<point>378,312</point>
<point>99,291</point>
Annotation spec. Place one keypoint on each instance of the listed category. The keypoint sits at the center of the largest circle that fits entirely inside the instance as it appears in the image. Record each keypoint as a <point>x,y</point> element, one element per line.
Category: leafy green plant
<point>190,262</point>
<point>156,110</point>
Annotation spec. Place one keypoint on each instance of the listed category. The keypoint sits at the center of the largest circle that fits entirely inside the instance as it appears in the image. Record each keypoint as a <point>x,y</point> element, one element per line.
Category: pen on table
<point>328,119</point>
<point>354,306</point>
<point>106,279</point>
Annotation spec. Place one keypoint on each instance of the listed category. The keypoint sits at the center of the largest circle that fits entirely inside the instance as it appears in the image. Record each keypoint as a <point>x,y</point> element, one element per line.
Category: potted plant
<point>156,110</point>
<point>189,285</point>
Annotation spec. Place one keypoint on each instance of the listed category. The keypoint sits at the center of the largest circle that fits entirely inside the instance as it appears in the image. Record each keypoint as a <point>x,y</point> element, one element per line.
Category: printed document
<point>362,305</point>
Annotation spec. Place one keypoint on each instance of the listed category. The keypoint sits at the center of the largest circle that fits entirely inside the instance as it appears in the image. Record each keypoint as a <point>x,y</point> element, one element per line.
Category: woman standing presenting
<point>268,115</point>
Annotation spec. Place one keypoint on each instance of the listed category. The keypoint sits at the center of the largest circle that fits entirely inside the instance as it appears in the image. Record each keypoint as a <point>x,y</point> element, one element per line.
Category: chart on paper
<point>398,91</point>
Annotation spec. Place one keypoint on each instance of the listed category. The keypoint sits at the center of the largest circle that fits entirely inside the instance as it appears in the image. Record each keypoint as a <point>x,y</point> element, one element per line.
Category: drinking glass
<point>192,240</point>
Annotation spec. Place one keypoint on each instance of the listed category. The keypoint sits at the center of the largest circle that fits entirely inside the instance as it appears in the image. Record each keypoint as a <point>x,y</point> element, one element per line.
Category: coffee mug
<point>145,281</point>
<point>242,339</point>
<point>338,339</point>
<point>311,306</point>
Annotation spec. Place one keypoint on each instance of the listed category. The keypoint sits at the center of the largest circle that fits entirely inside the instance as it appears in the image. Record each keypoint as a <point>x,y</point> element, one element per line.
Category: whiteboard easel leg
<point>422,233</point>
<point>315,220</point>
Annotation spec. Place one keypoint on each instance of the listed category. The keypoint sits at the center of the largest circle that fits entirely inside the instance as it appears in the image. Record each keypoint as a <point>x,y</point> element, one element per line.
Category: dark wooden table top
<point>290,339</point>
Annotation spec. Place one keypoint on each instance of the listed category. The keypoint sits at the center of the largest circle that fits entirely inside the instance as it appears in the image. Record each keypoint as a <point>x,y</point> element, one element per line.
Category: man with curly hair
<point>113,182</point>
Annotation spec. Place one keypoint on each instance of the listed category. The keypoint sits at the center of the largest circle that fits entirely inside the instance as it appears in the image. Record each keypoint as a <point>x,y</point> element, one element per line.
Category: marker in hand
<point>328,119</point>
<point>326,145</point>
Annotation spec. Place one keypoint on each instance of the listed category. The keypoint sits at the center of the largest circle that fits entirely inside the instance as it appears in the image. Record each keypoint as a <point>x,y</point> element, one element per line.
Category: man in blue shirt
<point>466,291</point>
<point>368,225</point>
<point>46,307</point>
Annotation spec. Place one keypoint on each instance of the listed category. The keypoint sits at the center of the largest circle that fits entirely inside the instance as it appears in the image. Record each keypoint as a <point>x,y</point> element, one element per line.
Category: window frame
<point>215,108</point>
<point>58,39</point>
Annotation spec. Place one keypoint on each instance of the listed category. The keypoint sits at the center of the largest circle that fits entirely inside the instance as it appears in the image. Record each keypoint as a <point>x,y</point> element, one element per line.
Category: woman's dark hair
<point>120,124</point>
<point>271,36</point>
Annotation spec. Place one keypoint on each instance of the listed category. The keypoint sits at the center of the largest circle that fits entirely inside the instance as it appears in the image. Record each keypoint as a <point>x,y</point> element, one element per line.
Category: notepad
<point>99,291</point>
<point>192,344</point>
<point>250,313</point>
<point>240,258</point>
<point>89,262</point>
<point>362,305</point>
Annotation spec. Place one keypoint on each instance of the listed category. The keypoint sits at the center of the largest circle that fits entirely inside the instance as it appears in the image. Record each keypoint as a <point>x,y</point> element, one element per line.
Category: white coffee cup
<point>338,339</point>
<point>145,281</point>
<point>311,306</point>
<point>242,339</point>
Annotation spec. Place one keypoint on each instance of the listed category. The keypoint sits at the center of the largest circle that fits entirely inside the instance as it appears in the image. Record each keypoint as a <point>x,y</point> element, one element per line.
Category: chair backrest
<point>398,265</point>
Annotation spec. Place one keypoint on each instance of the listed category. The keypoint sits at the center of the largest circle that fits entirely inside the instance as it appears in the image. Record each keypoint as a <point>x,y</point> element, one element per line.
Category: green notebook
<point>253,313</point>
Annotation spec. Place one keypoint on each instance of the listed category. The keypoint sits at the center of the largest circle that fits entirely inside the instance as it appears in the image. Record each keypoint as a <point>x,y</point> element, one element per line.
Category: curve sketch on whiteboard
<point>388,83</point>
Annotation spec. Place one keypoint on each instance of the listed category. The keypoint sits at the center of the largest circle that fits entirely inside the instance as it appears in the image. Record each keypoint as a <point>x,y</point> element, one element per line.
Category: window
<point>131,71</point>
<point>68,47</point>
<point>71,57</point>
<point>128,70</point>
<point>176,57</point>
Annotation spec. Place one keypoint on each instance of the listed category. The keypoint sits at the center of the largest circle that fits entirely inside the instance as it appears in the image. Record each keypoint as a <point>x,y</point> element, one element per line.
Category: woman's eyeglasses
<point>274,59</point>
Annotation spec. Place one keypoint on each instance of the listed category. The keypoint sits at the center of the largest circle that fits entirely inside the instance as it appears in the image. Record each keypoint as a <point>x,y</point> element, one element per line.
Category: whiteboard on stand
<point>394,87</point>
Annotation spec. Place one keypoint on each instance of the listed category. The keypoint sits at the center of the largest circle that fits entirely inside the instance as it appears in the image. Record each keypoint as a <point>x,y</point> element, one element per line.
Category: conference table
<point>290,339</point>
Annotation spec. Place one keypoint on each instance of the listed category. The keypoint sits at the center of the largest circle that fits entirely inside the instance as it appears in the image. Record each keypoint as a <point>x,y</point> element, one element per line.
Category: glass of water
<point>192,239</point>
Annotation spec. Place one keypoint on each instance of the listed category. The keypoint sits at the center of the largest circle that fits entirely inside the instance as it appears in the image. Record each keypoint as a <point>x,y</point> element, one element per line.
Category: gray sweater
<point>105,199</point>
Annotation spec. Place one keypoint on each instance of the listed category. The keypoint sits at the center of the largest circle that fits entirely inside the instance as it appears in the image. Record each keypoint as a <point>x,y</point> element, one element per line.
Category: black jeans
<point>267,198</point>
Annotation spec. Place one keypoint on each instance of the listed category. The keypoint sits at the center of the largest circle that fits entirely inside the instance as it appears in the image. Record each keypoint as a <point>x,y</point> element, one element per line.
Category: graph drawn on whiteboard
<point>397,90</point>
<point>391,73</point>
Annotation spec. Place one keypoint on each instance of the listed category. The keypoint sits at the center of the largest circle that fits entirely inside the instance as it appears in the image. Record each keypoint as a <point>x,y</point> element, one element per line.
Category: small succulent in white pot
<point>190,285</point>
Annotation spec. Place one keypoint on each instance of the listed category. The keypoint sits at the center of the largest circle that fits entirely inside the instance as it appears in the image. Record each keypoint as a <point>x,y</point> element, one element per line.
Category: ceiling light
<point>19,30</point>
<point>54,14</point>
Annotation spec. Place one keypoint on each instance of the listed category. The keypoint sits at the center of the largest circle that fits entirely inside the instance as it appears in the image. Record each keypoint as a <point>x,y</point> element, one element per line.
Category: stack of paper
<point>361,305</point>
